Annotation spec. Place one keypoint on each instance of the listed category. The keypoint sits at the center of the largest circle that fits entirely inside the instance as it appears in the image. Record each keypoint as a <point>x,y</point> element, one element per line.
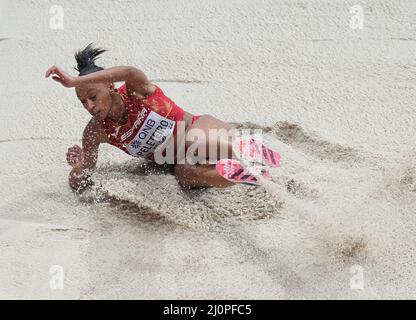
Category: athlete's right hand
<point>75,157</point>
<point>60,76</point>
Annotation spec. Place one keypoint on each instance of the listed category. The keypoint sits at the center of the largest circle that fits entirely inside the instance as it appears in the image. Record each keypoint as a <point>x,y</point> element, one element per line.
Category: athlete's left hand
<point>60,76</point>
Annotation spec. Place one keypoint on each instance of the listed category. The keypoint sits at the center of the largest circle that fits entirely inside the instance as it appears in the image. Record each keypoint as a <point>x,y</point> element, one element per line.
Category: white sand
<point>337,102</point>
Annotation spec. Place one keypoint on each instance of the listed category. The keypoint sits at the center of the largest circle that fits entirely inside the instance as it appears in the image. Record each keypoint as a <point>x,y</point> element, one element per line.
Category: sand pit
<point>337,102</point>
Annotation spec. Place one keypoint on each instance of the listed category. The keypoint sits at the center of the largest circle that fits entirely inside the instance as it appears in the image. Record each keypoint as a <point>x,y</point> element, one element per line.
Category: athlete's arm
<point>113,74</point>
<point>84,159</point>
<point>136,80</point>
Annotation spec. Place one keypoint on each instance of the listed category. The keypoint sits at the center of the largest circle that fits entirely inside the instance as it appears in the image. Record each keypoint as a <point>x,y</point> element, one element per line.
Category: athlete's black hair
<point>86,59</point>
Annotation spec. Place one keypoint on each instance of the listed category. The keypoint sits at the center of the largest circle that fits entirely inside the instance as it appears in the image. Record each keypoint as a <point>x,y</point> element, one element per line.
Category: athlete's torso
<point>151,122</point>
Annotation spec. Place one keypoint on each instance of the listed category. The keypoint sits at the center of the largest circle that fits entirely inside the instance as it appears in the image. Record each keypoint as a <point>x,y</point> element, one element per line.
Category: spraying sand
<point>336,102</point>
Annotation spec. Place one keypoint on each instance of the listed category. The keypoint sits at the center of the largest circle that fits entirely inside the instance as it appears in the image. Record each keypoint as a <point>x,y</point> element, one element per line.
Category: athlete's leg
<point>207,140</point>
<point>195,174</point>
<point>211,136</point>
<point>200,176</point>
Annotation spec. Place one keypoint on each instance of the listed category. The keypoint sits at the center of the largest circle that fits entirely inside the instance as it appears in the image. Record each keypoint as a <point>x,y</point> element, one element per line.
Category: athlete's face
<point>96,98</point>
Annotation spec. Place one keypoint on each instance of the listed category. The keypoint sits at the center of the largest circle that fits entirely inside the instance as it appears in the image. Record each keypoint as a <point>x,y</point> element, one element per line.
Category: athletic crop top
<point>151,122</point>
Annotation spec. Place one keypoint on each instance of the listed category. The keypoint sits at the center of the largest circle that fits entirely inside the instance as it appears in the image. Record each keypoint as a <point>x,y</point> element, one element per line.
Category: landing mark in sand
<point>35,138</point>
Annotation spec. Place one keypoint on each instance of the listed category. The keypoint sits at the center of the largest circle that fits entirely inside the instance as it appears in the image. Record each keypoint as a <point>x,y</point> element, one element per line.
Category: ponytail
<point>86,59</point>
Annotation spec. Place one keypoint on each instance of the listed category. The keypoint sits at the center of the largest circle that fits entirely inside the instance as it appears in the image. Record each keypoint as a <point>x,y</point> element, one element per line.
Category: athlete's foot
<point>256,152</point>
<point>233,171</point>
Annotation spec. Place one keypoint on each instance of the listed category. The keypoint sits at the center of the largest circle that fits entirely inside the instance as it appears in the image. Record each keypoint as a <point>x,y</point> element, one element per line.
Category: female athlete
<point>141,120</point>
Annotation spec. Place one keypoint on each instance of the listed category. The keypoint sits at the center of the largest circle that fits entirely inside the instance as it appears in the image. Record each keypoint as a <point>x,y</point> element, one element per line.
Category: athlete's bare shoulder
<point>140,90</point>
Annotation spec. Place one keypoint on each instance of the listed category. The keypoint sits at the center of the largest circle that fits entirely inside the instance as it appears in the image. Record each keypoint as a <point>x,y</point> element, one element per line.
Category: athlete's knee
<point>196,176</point>
<point>184,175</point>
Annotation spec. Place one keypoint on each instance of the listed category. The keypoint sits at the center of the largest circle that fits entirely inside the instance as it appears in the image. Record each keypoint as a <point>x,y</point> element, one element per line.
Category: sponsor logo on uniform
<point>136,125</point>
<point>136,144</point>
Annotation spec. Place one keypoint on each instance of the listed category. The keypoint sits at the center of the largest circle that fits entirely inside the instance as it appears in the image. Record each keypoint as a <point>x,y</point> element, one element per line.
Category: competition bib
<point>154,131</point>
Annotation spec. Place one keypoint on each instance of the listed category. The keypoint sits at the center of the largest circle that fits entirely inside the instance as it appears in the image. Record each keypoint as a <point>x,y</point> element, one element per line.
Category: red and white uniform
<point>151,122</point>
